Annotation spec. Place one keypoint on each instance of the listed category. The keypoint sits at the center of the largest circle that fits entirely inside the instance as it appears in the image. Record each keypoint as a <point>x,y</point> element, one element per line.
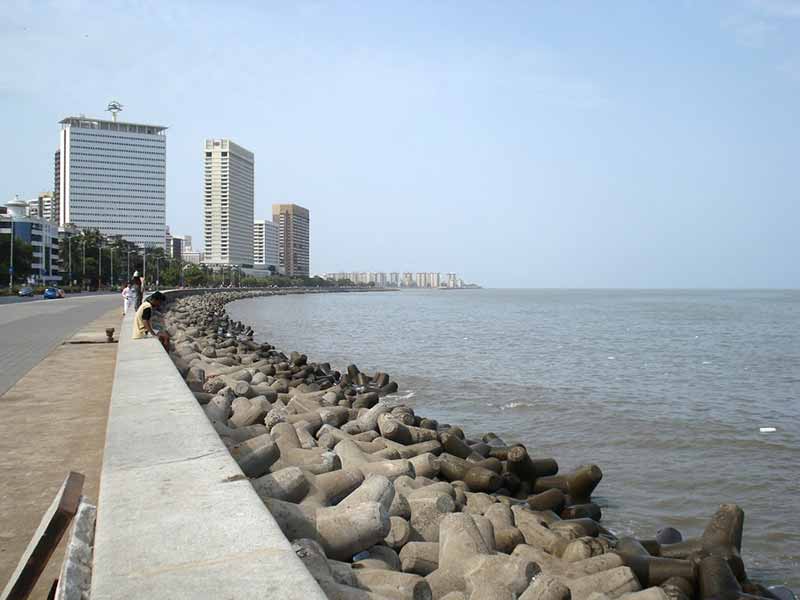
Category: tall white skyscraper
<point>265,245</point>
<point>228,204</point>
<point>111,176</point>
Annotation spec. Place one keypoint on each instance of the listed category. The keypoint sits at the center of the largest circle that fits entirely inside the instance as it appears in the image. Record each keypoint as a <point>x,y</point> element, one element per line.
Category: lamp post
<point>11,263</point>
<point>99,266</point>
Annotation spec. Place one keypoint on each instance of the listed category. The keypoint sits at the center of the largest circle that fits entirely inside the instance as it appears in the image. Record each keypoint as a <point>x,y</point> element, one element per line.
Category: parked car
<point>51,293</point>
<point>26,291</point>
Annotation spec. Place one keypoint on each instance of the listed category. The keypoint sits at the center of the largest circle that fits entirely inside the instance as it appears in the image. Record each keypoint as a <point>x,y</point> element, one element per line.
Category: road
<point>29,330</point>
<point>18,299</point>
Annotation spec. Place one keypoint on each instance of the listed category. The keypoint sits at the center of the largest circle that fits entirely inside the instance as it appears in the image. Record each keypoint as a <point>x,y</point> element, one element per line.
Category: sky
<point>519,144</point>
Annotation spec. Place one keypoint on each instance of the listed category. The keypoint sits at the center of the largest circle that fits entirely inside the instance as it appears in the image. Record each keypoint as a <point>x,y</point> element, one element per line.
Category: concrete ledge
<point>176,516</point>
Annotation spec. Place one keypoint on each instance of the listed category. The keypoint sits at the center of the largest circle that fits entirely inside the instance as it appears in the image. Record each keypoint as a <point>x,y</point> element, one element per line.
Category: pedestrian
<point>127,296</point>
<point>143,321</point>
<point>138,290</point>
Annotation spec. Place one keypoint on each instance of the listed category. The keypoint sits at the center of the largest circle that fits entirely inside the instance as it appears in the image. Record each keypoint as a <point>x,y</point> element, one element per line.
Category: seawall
<point>177,518</point>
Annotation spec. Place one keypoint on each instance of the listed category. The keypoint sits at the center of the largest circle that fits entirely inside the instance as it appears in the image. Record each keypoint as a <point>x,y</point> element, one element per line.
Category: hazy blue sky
<point>581,144</point>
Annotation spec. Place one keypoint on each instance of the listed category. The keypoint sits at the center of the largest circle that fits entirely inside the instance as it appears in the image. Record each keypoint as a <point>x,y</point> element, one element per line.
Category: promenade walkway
<point>30,330</point>
<point>54,417</point>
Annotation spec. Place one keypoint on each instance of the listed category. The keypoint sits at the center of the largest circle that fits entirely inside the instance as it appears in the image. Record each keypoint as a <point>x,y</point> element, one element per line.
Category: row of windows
<point>128,187</point>
<point>100,146</point>
<point>91,167</point>
<point>130,136</point>
<point>155,198</point>
<point>117,227</point>
<point>160,158</point>
<point>118,140</point>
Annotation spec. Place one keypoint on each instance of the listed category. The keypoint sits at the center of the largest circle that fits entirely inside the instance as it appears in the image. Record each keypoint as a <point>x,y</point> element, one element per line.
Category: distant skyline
<point>521,145</point>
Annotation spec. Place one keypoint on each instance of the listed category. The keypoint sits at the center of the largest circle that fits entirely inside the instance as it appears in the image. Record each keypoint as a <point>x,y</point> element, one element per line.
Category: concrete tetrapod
<point>536,533</point>
<point>256,455</point>
<point>342,532</point>
<point>289,484</point>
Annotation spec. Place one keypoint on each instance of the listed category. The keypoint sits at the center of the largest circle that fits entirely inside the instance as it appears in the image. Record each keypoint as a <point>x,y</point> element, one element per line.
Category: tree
<point>23,258</point>
<point>194,276</point>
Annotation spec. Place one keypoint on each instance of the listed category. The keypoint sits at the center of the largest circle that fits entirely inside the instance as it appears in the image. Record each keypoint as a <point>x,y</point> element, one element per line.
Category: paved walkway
<point>53,420</point>
<point>30,330</point>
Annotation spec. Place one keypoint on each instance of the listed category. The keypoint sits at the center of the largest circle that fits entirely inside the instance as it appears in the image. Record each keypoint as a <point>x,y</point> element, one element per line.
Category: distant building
<point>194,258</point>
<point>41,234</point>
<point>293,223</point>
<point>228,204</point>
<point>408,280</point>
<point>177,247</point>
<point>48,206</point>
<point>168,242</point>
<point>266,252</point>
<point>41,207</point>
<point>111,176</point>
<point>34,208</point>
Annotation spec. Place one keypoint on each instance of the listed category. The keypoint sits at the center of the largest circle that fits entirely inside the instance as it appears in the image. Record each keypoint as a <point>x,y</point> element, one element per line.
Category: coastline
<point>355,379</point>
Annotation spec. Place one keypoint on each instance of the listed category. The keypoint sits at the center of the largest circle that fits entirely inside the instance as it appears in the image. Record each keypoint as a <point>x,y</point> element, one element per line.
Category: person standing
<point>127,296</point>
<point>138,289</point>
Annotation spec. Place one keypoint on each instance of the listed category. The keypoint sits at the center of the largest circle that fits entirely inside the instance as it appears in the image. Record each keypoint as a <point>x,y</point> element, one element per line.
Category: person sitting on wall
<point>142,322</point>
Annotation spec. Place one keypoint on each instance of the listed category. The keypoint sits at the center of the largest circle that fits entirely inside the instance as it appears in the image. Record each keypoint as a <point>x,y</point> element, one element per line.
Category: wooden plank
<point>49,533</point>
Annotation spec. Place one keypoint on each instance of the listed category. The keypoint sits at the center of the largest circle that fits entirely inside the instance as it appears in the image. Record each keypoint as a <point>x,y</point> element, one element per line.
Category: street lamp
<point>11,264</point>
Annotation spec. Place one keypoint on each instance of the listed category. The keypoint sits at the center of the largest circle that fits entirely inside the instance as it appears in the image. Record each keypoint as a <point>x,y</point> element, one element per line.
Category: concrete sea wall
<point>176,516</point>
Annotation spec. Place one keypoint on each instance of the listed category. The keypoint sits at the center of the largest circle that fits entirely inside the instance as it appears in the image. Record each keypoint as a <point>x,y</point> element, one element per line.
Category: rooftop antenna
<point>114,107</point>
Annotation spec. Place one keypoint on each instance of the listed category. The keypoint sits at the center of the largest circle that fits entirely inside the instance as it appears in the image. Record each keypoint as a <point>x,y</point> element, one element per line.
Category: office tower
<point>293,238</point>
<point>266,254</point>
<point>167,242</point>
<point>228,204</point>
<point>111,176</point>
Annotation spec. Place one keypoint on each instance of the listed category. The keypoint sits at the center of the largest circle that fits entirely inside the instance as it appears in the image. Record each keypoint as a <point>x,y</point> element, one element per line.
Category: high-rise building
<point>228,204</point>
<point>266,253</point>
<point>293,238</point>
<point>111,176</point>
